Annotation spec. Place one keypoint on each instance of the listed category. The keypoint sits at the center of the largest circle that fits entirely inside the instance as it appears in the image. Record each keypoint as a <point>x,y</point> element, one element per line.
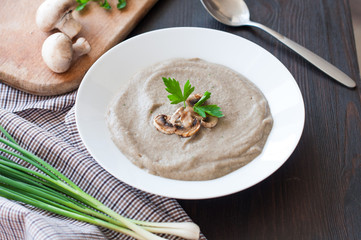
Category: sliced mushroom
<point>193,99</point>
<point>209,122</point>
<point>58,51</point>
<point>187,117</point>
<point>162,124</point>
<point>188,131</point>
<point>184,116</point>
<point>183,123</point>
<point>57,14</point>
<point>176,115</point>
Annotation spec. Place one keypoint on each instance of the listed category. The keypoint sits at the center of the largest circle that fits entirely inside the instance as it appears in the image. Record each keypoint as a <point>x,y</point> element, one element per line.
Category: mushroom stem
<point>176,115</point>
<point>69,25</point>
<point>187,117</point>
<point>81,47</point>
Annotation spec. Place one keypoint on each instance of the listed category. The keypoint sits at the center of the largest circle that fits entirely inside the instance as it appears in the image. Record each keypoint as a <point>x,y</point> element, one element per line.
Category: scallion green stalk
<point>50,190</point>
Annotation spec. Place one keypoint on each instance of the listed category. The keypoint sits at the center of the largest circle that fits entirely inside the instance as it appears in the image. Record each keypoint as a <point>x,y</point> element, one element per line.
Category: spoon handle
<point>316,60</point>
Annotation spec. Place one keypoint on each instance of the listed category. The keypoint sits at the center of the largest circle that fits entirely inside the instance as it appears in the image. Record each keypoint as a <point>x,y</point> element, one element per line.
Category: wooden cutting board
<point>21,64</point>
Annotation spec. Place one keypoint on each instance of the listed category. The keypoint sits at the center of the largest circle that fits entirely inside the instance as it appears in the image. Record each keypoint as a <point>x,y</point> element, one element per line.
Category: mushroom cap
<point>51,11</point>
<point>162,124</point>
<point>209,122</point>
<point>188,131</point>
<point>57,52</point>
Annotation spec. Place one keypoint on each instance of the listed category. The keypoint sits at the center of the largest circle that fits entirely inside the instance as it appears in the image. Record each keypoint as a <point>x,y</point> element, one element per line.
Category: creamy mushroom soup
<point>236,140</point>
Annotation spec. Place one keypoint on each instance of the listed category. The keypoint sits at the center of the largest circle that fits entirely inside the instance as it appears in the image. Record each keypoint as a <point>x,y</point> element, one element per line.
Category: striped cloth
<point>46,126</point>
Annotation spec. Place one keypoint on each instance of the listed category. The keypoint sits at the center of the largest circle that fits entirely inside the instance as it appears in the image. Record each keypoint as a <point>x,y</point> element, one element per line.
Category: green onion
<point>50,190</point>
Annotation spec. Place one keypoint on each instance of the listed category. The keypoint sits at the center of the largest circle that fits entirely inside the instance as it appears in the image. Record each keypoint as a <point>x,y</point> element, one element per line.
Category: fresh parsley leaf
<point>80,6</point>
<point>121,4</point>
<point>176,95</point>
<point>212,110</point>
<point>102,3</point>
<point>188,89</point>
<point>204,98</point>
<point>174,89</point>
<point>105,4</point>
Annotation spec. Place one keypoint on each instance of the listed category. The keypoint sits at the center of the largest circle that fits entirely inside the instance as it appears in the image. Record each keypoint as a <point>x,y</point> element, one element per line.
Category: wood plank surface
<point>316,194</point>
<point>21,64</point>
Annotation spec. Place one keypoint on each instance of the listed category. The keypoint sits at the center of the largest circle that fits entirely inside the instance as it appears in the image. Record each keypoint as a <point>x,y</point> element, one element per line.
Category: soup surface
<point>236,140</point>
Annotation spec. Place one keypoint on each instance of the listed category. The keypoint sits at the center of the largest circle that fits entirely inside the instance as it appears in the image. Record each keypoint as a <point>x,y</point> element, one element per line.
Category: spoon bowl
<point>228,12</point>
<point>236,13</point>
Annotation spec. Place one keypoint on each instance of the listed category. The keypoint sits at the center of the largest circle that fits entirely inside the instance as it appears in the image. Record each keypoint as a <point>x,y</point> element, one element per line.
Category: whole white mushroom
<point>58,51</point>
<point>57,14</point>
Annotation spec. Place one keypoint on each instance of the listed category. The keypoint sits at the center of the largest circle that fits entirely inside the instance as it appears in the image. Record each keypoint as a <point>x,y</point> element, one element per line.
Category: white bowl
<point>116,67</point>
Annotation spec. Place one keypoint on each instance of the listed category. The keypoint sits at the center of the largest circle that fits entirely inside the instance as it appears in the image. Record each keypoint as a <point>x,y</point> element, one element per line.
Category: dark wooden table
<point>316,194</point>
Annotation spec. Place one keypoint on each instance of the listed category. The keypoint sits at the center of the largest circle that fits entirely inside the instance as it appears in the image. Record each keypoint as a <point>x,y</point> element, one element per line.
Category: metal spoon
<point>236,13</point>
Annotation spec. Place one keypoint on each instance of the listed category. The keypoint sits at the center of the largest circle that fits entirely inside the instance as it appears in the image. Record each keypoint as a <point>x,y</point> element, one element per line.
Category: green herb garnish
<point>212,110</point>
<point>105,4</point>
<point>176,96</point>
<point>121,4</point>
<point>48,189</point>
<point>102,3</point>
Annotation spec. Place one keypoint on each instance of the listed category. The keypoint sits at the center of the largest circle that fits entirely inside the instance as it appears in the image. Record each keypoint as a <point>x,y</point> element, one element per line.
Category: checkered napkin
<point>46,126</point>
